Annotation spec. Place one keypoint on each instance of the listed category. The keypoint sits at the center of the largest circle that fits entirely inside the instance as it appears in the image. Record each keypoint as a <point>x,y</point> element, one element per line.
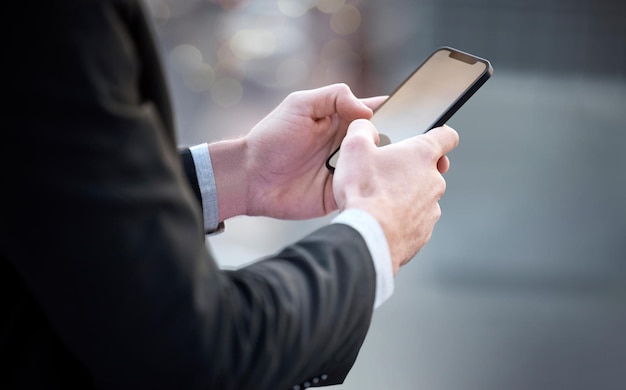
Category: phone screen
<point>417,105</point>
<point>429,96</point>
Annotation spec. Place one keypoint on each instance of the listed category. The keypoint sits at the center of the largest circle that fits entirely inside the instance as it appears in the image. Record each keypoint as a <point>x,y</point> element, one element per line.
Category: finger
<point>337,99</point>
<point>360,138</point>
<point>361,130</point>
<point>374,102</point>
<point>445,136</point>
<point>443,164</point>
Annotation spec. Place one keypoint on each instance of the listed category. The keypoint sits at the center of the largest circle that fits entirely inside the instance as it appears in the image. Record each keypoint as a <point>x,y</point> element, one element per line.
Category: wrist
<point>229,167</point>
<point>378,210</point>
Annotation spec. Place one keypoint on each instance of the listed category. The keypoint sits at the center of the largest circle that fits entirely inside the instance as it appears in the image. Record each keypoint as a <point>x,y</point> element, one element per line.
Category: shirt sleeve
<point>206,182</point>
<point>361,221</point>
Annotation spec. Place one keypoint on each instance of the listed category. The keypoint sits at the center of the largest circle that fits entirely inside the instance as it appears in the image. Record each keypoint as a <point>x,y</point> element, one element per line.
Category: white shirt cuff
<point>206,182</point>
<point>376,242</point>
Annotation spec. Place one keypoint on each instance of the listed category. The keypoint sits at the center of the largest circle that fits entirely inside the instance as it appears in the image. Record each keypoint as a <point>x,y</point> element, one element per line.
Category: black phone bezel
<point>457,104</point>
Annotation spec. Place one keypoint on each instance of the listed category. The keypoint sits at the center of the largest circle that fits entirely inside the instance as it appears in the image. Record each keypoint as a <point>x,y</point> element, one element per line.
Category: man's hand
<point>278,169</point>
<point>399,184</point>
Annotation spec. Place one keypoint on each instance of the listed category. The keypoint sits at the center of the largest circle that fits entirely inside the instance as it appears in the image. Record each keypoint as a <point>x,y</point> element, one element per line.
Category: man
<point>107,279</point>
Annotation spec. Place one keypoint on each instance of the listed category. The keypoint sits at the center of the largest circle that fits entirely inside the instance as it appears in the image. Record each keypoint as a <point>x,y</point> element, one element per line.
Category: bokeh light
<point>253,43</point>
<point>200,79</point>
<point>269,45</point>
<point>185,58</point>
<point>227,92</point>
<point>330,6</point>
<point>346,20</point>
<point>295,8</point>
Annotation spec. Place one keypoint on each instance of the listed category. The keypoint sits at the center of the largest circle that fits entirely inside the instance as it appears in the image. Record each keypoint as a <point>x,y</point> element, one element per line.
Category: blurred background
<point>523,285</point>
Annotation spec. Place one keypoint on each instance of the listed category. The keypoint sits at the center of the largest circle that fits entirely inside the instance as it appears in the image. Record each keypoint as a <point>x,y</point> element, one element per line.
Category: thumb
<point>338,99</point>
<point>445,137</point>
<point>361,134</point>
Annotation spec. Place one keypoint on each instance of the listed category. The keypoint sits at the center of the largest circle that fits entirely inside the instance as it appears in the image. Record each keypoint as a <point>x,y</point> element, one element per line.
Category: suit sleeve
<point>189,167</point>
<point>199,171</point>
<point>106,232</point>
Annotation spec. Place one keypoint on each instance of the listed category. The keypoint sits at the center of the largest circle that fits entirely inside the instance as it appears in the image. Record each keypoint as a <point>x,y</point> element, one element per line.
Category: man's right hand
<point>400,184</point>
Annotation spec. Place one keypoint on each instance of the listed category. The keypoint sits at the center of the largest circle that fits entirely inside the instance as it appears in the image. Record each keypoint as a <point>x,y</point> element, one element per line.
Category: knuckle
<point>342,88</point>
<point>341,94</point>
<point>354,142</point>
<point>438,212</point>
<point>296,96</point>
<point>428,148</point>
<point>441,186</point>
<point>435,149</point>
<point>360,127</point>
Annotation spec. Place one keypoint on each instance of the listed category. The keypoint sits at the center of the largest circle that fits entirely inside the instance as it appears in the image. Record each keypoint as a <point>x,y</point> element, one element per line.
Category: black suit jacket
<point>105,275</point>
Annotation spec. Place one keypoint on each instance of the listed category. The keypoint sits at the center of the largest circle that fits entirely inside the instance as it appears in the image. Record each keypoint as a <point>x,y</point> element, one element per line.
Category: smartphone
<point>429,96</point>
